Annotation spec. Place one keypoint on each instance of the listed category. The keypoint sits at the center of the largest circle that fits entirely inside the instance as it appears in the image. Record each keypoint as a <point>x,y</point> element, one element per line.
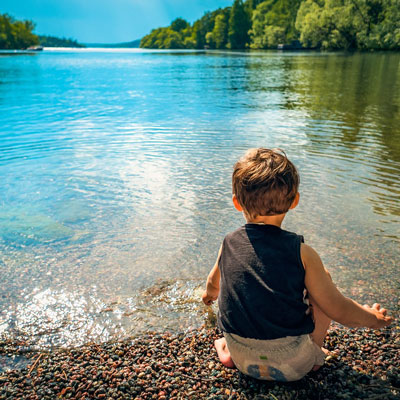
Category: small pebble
<point>181,366</point>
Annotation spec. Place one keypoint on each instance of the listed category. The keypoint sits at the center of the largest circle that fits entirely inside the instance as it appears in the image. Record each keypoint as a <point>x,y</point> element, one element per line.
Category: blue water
<point>115,179</point>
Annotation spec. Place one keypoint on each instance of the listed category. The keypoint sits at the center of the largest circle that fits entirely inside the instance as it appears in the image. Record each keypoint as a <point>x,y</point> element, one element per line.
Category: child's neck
<point>267,219</point>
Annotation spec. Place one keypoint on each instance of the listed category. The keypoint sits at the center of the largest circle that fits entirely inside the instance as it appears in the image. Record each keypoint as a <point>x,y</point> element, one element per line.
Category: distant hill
<point>52,41</point>
<point>127,45</point>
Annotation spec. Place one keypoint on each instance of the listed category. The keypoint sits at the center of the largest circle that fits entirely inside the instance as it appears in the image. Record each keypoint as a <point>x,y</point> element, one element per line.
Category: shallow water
<point>115,179</point>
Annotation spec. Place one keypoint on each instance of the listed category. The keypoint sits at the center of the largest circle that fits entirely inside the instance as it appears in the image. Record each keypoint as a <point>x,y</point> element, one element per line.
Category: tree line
<point>52,41</point>
<point>257,24</point>
<point>17,35</point>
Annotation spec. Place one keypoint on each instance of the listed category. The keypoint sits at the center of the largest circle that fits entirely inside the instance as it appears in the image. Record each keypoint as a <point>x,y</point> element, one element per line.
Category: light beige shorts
<point>283,359</point>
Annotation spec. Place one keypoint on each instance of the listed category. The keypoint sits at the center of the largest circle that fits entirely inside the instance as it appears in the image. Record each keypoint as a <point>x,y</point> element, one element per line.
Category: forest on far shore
<point>52,41</point>
<point>316,24</point>
<point>18,35</point>
<point>256,24</point>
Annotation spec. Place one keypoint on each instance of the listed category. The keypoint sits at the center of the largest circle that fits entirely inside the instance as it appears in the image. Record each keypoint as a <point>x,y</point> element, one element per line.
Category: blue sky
<point>106,21</point>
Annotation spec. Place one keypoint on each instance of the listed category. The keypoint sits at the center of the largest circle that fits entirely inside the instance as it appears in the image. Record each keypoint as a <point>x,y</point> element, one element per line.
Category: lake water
<point>115,171</point>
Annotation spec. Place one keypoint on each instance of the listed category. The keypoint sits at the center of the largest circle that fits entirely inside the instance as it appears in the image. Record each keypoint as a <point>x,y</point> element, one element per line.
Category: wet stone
<point>186,367</point>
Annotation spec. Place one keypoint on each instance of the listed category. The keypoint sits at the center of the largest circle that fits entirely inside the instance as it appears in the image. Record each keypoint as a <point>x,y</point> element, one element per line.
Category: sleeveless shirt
<point>262,291</point>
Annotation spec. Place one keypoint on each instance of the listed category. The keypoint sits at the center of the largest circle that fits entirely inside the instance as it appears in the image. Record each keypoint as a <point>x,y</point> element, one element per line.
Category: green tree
<point>197,35</point>
<point>16,34</point>
<point>163,38</point>
<point>259,23</point>
<point>331,25</point>
<point>205,25</point>
<point>220,31</point>
<point>200,29</point>
<point>176,36</point>
<point>239,25</point>
<point>350,24</point>
<point>381,20</point>
<point>210,40</point>
<point>273,22</point>
<point>274,35</point>
<point>179,24</point>
<point>186,35</point>
<point>252,4</point>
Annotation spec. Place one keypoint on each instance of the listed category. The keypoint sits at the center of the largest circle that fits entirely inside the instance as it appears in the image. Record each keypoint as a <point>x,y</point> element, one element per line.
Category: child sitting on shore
<point>276,299</point>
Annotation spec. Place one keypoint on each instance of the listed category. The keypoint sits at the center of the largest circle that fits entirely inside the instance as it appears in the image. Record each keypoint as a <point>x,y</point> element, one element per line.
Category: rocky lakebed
<point>362,364</point>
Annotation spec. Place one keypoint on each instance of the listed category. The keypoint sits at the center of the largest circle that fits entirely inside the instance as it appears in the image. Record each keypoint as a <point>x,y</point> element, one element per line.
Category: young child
<point>276,299</point>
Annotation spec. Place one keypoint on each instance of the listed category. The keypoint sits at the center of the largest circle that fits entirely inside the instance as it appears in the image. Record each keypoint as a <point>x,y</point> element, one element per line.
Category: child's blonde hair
<point>265,182</point>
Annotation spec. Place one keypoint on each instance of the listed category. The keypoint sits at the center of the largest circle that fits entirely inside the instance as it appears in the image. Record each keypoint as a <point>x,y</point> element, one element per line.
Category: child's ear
<point>236,203</point>
<point>295,201</point>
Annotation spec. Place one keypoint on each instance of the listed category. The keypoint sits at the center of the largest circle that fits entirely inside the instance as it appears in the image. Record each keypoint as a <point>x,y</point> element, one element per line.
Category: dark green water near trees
<point>115,179</point>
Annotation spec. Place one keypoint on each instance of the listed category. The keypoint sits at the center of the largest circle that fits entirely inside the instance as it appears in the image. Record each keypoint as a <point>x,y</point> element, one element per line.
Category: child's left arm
<point>212,286</point>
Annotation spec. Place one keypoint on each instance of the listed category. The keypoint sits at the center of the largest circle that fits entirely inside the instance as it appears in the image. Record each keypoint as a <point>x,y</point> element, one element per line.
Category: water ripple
<point>115,179</point>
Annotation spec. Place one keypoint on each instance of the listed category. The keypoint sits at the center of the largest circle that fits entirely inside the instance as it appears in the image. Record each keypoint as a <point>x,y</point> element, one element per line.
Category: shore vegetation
<point>16,34</point>
<point>52,41</point>
<point>313,24</point>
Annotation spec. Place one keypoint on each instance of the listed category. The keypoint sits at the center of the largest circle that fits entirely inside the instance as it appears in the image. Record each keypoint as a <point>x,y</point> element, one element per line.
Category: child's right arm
<point>212,286</point>
<point>332,302</point>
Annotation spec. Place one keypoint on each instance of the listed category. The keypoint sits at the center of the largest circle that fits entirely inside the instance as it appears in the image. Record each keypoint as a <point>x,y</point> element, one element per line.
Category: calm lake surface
<point>115,171</point>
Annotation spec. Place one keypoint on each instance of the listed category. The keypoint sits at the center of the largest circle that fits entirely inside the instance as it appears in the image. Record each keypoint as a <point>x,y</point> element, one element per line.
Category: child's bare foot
<point>317,367</point>
<point>223,353</point>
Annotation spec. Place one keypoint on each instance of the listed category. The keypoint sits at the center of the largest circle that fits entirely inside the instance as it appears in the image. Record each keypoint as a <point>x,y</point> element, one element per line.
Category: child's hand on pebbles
<point>207,299</point>
<point>382,319</point>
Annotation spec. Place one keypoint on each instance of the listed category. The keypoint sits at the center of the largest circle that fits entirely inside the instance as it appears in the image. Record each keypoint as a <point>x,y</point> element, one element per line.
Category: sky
<point>105,21</point>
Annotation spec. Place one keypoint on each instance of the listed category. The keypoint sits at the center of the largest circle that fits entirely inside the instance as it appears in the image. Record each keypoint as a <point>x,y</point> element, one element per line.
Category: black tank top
<point>262,292</point>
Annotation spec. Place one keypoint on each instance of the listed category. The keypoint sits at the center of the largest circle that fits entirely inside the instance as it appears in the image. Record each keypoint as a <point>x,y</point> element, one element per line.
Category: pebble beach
<point>362,364</point>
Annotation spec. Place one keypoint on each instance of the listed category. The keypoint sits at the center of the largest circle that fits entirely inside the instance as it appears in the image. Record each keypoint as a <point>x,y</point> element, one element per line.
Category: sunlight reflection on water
<point>116,170</point>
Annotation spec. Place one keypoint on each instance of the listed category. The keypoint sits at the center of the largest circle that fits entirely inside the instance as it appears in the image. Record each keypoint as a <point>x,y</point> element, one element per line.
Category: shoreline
<point>362,364</point>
